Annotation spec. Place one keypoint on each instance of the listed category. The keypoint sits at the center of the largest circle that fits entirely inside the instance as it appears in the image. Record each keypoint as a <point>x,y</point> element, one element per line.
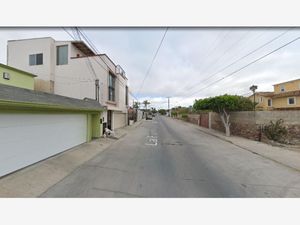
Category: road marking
<point>151,140</point>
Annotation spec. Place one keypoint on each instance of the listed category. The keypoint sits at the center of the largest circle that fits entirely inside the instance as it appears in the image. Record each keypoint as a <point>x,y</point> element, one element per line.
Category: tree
<point>153,110</point>
<point>223,105</point>
<point>146,102</point>
<point>136,105</point>
<point>162,111</point>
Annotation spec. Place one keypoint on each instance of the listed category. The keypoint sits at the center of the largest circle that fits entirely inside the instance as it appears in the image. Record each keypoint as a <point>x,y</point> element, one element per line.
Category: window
<point>126,95</point>
<point>6,76</point>
<point>291,101</point>
<point>282,89</point>
<point>62,55</point>
<point>261,99</point>
<point>270,102</point>
<point>36,59</point>
<point>111,87</point>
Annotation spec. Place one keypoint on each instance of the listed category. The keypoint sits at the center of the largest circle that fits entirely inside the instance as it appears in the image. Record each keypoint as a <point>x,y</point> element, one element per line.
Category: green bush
<point>276,131</point>
<point>184,116</point>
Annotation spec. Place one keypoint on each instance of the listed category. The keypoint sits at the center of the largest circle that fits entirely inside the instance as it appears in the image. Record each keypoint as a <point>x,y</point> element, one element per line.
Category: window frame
<point>288,100</point>
<point>270,100</point>
<point>112,88</point>
<point>57,55</point>
<point>35,59</point>
<point>282,88</point>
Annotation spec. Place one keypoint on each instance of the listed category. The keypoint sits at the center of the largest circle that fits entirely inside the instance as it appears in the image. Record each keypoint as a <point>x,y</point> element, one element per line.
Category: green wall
<point>17,78</point>
<point>94,126</point>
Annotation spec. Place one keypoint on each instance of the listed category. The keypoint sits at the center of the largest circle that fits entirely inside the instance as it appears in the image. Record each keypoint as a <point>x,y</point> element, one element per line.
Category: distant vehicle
<point>149,116</point>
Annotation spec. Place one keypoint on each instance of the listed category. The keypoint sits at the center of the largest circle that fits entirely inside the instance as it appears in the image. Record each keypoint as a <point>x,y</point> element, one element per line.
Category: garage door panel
<point>119,120</point>
<point>26,138</point>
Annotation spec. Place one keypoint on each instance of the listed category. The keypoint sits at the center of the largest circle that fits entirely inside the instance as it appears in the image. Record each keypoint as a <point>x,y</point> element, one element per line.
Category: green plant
<point>184,116</point>
<point>276,131</point>
<point>174,114</point>
<point>223,105</point>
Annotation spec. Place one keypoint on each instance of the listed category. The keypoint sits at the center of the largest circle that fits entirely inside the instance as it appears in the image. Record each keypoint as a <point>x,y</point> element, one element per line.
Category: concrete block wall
<point>248,124</point>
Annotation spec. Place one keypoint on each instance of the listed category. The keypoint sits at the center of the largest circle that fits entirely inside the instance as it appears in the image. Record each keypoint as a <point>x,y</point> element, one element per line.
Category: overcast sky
<point>187,59</point>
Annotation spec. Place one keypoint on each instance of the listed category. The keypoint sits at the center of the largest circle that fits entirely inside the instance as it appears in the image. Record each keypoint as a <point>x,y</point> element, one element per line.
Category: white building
<point>71,68</point>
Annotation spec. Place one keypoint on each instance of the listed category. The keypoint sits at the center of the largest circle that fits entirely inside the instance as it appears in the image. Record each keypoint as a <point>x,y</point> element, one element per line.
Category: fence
<point>248,124</point>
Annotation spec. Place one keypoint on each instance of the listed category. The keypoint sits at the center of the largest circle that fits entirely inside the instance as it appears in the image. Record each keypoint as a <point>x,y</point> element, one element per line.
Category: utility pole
<point>169,112</point>
<point>253,88</point>
<point>97,89</point>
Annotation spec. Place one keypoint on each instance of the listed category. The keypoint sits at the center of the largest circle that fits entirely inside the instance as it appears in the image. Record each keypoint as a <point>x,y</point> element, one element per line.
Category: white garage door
<point>119,120</point>
<point>29,138</point>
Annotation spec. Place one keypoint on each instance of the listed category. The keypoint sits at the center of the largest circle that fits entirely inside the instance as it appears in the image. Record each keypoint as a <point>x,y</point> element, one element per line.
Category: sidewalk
<point>280,155</point>
<point>33,180</point>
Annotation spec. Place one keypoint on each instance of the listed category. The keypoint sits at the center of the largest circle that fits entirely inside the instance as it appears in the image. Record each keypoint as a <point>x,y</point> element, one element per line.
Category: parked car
<point>149,116</point>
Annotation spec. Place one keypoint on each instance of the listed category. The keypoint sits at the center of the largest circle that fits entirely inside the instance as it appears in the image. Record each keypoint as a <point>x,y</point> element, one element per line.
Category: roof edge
<point>287,82</point>
<point>7,104</point>
<point>17,70</point>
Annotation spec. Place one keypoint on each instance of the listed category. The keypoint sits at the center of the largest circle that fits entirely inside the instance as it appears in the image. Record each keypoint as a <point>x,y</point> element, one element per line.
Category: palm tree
<point>146,102</point>
<point>136,105</point>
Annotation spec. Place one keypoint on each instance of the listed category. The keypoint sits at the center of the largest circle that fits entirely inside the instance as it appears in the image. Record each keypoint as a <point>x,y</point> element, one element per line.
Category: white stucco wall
<point>75,79</point>
<point>18,56</point>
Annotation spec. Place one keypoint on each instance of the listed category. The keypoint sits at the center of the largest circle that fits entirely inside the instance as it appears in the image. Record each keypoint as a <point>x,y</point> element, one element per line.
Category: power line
<point>97,56</point>
<point>249,64</point>
<point>93,47</point>
<point>224,53</point>
<point>153,59</point>
<point>68,33</point>
<point>241,58</point>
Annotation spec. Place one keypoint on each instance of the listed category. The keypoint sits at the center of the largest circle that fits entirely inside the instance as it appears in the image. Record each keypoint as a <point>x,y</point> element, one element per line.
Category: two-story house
<point>286,96</point>
<point>263,100</point>
<point>72,69</point>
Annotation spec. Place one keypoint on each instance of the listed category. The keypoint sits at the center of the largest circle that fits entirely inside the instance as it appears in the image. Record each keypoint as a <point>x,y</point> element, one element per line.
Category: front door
<point>109,119</point>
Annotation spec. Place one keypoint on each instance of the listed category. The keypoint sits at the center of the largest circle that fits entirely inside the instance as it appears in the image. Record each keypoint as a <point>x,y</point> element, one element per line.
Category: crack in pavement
<point>109,168</point>
<point>119,192</point>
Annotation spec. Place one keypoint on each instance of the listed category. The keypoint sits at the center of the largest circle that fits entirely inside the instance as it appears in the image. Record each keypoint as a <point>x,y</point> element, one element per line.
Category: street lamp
<point>253,88</point>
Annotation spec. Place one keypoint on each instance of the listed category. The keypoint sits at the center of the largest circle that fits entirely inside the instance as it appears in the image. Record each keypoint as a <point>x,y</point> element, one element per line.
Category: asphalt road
<point>170,158</point>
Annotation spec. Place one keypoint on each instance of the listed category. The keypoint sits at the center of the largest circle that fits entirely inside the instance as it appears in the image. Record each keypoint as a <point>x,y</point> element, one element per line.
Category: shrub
<point>174,114</point>
<point>276,131</point>
<point>184,116</point>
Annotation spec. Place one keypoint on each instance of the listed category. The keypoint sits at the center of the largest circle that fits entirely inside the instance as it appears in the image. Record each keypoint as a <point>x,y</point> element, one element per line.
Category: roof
<point>264,93</point>
<point>287,94</point>
<point>17,70</point>
<point>26,39</point>
<point>83,48</point>
<point>37,99</point>
<point>287,82</point>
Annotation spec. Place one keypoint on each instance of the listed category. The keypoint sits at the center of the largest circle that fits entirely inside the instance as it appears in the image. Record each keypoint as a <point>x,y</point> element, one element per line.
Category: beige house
<point>286,96</point>
<point>72,69</point>
<point>263,100</point>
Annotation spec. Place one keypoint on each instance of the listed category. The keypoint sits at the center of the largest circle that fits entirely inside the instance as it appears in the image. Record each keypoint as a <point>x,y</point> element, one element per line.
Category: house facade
<point>72,69</point>
<point>286,96</point>
<point>15,77</point>
<point>263,100</point>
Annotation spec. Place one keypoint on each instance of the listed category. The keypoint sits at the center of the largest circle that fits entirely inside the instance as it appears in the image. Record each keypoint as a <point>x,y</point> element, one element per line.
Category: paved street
<point>170,158</point>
